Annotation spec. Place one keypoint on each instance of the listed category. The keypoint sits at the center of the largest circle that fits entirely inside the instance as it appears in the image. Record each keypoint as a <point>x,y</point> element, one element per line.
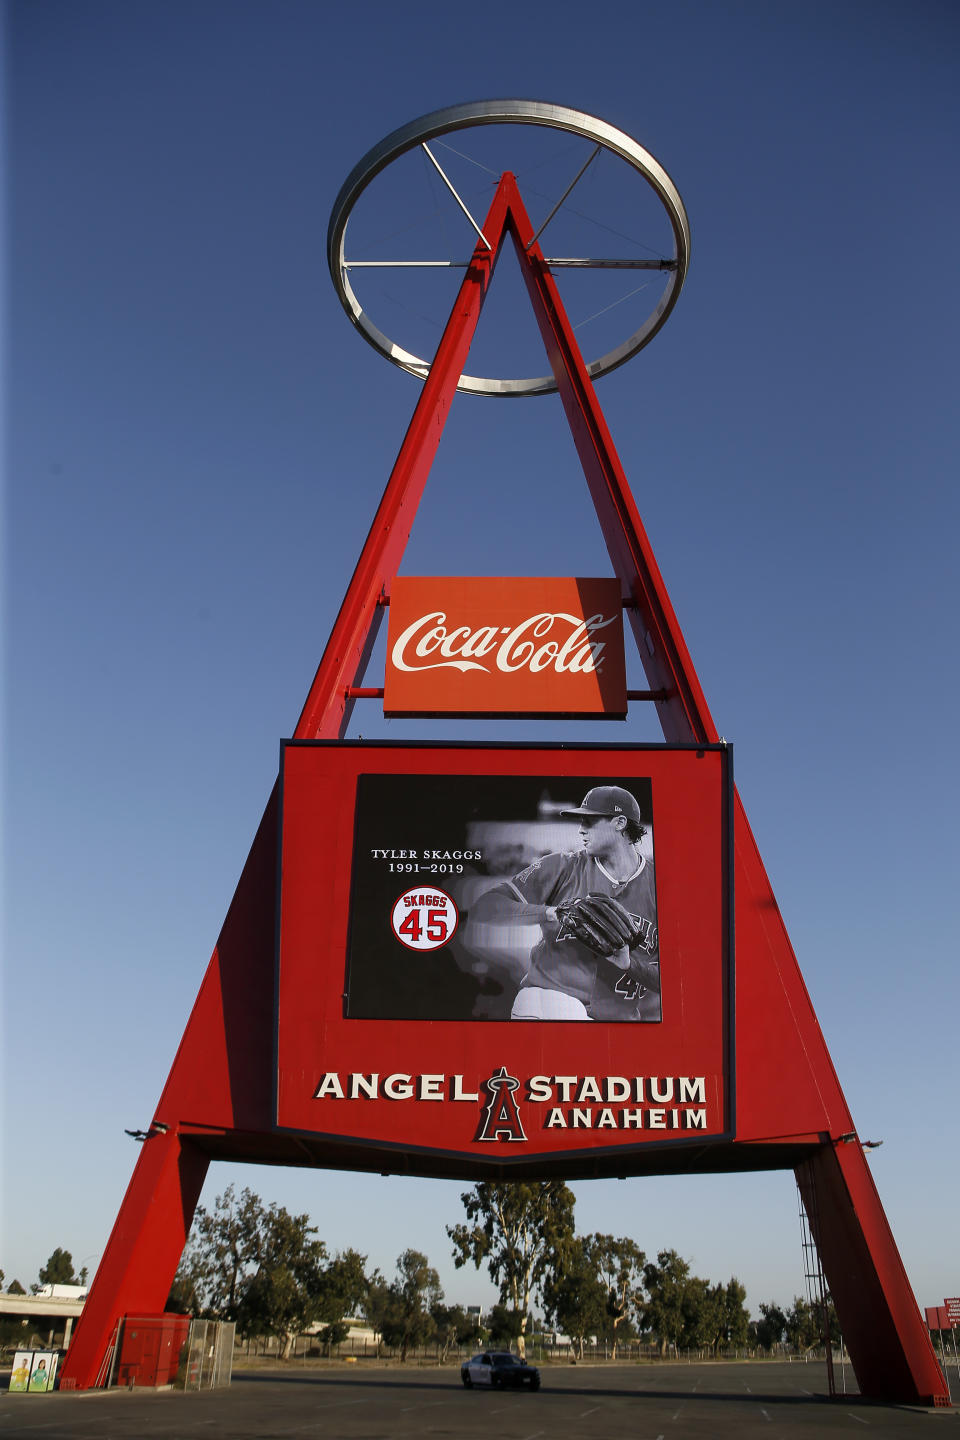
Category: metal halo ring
<point>498,112</point>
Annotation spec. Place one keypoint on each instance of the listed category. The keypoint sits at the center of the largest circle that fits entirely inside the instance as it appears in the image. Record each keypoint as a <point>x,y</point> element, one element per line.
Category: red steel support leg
<point>787,1087</point>
<point>144,1248</point>
<point>220,1081</point>
<point>882,1326</point>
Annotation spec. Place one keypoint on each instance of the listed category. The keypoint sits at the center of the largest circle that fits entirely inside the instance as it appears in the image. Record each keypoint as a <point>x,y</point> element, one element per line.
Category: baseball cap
<point>608,800</point>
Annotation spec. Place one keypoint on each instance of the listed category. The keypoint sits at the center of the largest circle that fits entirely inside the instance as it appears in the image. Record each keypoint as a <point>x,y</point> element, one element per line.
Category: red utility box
<point>151,1349</point>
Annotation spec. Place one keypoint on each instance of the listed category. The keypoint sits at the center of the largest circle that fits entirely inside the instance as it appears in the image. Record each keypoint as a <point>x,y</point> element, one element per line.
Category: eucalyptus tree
<point>619,1262</point>
<point>575,1296</point>
<point>410,1303</point>
<point>660,1309</point>
<point>521,1231</point>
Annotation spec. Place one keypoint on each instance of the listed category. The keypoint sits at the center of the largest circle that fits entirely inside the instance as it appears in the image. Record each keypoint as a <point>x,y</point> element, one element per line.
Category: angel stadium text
<point>571,1102</point>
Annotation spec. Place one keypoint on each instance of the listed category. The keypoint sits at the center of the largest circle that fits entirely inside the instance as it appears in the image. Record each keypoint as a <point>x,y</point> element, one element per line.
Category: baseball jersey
<point>571,966</point>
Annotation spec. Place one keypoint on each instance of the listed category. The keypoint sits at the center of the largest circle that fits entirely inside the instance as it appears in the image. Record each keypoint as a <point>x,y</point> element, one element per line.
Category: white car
<point>499,1367</point>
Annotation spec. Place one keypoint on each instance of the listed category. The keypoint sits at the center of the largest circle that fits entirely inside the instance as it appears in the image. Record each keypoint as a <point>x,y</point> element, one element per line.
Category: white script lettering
<point>524,646</point>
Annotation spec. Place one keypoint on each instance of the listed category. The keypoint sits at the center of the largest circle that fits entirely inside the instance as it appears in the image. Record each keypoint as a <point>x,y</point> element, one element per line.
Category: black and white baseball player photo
<point>503,897</point>
<point>598,954</point>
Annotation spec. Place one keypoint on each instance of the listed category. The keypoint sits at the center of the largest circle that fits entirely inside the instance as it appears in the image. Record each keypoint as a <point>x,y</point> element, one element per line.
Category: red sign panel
<point>451,972</point>
<point>505,646</point>
<point>952,1307</point>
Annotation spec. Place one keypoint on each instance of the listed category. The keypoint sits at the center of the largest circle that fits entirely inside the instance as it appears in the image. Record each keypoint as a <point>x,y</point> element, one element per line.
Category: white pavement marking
<point>858,1417</point>
<point>425,1405</point>
<point>584,1413</point>
<point>764,1414</point>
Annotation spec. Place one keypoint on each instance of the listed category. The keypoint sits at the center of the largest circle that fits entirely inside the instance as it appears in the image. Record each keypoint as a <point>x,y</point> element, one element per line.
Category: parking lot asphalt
<point>645,1402</point>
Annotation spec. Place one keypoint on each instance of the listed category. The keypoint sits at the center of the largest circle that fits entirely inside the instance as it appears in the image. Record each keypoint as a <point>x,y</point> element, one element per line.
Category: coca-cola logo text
<point>550,640</point>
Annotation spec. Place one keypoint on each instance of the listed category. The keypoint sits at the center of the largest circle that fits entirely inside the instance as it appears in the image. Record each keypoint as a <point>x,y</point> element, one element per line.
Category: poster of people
<point>34,1371</point>
<point>20,1374</point>
<point>503,897</point>
<point>43,1372</point>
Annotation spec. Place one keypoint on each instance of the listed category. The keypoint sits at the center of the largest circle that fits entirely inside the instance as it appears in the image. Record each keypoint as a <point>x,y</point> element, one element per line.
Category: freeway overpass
<point>47,1315</point>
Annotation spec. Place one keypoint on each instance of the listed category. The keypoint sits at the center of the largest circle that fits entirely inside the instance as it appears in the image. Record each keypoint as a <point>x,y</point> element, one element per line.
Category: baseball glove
<point>600,922</point>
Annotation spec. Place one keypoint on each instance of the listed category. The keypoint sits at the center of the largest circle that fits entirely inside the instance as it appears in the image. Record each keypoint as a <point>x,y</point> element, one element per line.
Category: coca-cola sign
<point>518,646</point>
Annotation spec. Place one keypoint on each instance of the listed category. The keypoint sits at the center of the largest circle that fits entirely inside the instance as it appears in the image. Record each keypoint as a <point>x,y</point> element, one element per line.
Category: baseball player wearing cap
<point>566,980</point>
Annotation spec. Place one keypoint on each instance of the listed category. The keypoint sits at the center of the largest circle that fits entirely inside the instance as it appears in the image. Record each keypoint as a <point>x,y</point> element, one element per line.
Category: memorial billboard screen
<point>439,983</point>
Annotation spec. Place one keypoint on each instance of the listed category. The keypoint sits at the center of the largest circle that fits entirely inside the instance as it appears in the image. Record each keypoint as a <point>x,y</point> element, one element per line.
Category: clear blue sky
<point>196,441</point>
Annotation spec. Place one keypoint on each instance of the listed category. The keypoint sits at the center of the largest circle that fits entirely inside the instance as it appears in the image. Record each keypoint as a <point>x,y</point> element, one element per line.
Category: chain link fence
<point>208,1360</point>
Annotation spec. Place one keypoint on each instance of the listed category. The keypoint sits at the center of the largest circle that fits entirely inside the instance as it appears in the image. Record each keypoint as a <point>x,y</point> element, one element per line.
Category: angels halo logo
<point>501,1114</point>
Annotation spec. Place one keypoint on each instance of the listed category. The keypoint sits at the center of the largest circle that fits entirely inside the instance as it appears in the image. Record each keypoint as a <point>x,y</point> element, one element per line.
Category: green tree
<point>521,1231</point>
<point>225,1250</point>
<point>736,1318</point>
<point>662,1310</point>
<point>698,1324</point>
<point>15,1288</point>
<point>803,1325</point>
<point>506,1326</point>
<point>343,1289</point>
<point>771,1326</point>
<point>453,1327</point>
<point>285,1294</point>
<point>413,1295</point>
<point>619,1262</point>
<point>377,1305</point>
<point>575,1294</point>
<point>59,1269</point>
<point>686,1311</point>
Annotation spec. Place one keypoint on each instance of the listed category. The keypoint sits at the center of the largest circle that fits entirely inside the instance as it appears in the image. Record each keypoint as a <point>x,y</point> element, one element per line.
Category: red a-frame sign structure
<point>790,1111</point>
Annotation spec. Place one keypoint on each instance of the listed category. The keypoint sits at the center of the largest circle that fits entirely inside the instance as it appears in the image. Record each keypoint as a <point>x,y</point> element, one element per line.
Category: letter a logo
<point>501,1117</point>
